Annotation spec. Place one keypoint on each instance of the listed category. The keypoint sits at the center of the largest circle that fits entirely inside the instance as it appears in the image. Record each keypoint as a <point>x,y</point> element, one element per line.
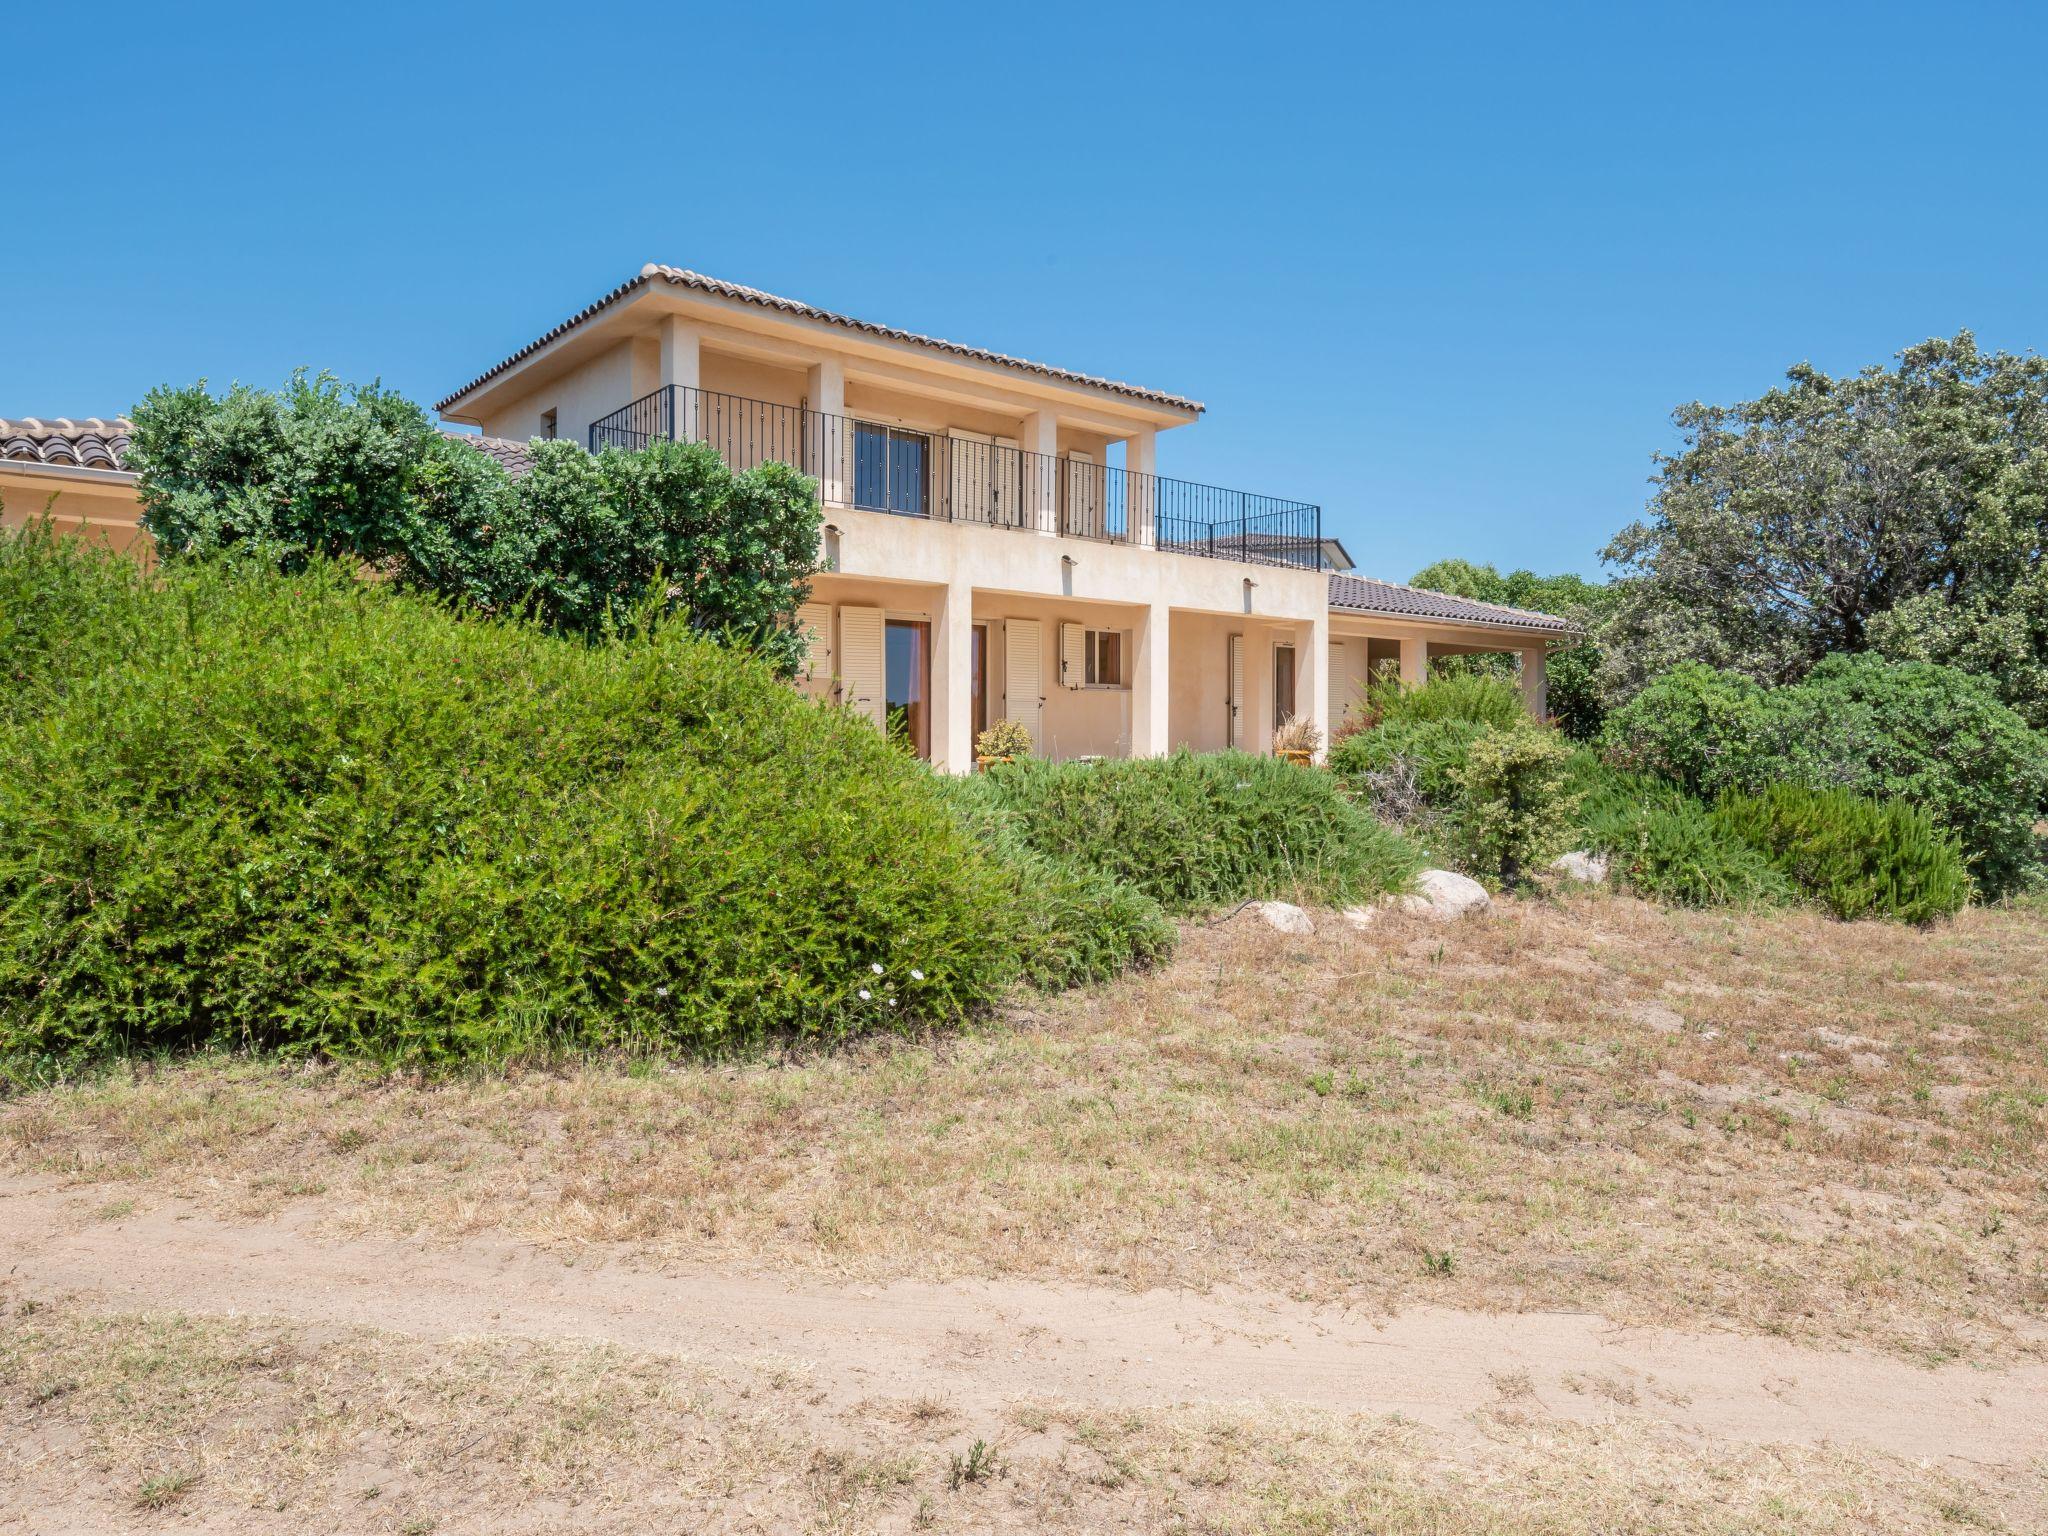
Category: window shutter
<point>1235,696</point>
<point>814,623</point>
<point>1340,680</point>
<point>862,648</point>
<point>1073,655</point>
<point>1024,676</point>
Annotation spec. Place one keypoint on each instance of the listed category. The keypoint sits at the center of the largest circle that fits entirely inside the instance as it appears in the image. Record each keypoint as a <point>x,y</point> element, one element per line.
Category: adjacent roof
<point>1361,594</point>
<point>683,278</point>
<point>94,443</point>
<point>514,458</point>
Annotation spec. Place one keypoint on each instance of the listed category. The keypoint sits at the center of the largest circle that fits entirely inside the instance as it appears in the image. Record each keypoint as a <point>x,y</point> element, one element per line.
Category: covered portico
<point>1382,628</point>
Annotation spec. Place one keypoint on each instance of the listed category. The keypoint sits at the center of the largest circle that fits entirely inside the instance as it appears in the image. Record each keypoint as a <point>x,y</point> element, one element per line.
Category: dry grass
<point>254,1426</point>
<point>1772,1123</point>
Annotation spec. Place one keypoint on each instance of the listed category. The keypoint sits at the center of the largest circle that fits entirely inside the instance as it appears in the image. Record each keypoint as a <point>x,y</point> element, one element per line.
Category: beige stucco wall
<point>594,389</point>
<point>93,504</point>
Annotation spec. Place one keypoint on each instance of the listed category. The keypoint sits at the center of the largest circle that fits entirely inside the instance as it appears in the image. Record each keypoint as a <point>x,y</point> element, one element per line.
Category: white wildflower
<point>661,991</point>
<point>916,974</point>
<point>876,967</point>
<point>865,994</point>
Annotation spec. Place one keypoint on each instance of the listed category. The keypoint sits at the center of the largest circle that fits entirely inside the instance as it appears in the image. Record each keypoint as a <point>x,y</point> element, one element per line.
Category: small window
<point>1105,658</point>
<point>547,425</point>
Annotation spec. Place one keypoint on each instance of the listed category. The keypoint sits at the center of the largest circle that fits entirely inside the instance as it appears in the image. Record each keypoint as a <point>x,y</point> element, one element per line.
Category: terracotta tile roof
<point>94,443</point>
<point>1361,594</point>
<point>514,458</point>
<point>683,278</point>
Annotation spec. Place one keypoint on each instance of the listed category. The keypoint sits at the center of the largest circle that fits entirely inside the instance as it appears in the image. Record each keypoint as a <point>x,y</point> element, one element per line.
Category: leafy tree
<point>1903,509</point>
<point>579,543</point>
<point>1574,673</point>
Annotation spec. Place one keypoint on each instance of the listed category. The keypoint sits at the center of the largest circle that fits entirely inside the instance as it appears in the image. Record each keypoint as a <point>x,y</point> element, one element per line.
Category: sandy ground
<point>985,1347</point>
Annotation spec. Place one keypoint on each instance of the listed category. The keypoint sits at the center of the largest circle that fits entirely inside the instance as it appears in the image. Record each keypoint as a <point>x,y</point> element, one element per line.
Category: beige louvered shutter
<point>1340,680</point>
<point>814,623</point>
<point>1024,676</point>
<point>1235,699</point>
<point>1073,655</point>
<point>862,665</point>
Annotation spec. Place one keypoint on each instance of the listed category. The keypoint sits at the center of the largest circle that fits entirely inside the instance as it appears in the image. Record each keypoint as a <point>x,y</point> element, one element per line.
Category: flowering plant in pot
<point>1297,740</point>
<point>1003,742</point>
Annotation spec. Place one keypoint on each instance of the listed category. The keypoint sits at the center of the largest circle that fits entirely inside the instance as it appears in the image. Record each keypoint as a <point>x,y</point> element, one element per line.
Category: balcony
<point>963,479</point>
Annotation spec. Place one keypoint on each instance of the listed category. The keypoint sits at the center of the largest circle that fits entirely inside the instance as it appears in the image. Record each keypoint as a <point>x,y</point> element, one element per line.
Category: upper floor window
<point>890,469</point>
<point>547,424</point>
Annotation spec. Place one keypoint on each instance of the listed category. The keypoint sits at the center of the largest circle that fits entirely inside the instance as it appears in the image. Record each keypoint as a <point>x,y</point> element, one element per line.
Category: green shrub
<point>310,813</point>
<point>1515,802</point>
<point>1074,924</point>
<point>1471,697</point>
<point>1934,737</point>
<point>1856,856</point>
<point>1432,752</point>
<point>1668,847</point>
<point>1199,831</point>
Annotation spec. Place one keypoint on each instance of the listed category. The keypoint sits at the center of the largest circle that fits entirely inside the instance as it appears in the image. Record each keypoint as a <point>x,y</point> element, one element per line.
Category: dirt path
<point>986,1345</point>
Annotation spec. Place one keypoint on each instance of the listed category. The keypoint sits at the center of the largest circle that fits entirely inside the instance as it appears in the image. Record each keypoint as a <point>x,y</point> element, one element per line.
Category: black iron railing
<point>958,477</point>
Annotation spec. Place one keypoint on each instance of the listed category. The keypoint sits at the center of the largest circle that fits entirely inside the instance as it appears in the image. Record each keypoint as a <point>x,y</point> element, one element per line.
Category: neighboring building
<point>75,472</point>
<point>998,540</point>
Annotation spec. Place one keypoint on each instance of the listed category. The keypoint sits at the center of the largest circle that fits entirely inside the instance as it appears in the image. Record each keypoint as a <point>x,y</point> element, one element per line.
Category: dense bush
<point>306,812</point>
<point>1515,802</point>
<point>577,543</point>
<point>1430,755</point>
<point>1667,846</point>
<point>1475,698</point>
<point>1856,856</point>
<point>1934,737</point>
<point>1575,693</point>
<point>1194,832</point>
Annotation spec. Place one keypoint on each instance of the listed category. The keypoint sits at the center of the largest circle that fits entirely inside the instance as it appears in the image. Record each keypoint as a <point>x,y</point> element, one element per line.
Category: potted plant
<point>1297,740</point>
<point>1003,742</point>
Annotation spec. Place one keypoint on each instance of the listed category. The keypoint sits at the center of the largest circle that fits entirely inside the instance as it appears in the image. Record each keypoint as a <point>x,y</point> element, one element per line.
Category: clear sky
<point>1444,270</point>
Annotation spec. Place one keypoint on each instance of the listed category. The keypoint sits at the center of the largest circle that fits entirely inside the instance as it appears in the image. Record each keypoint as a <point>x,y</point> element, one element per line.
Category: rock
<point>1360,918</point>
<point>1586,868</point>
<point>1443,895</point>
<point>1286,917</point>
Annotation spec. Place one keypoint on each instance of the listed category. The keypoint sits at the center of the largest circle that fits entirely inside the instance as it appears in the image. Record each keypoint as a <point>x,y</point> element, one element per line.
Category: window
<point>547,424</point>
<point>907,685</point>
<point>977,671</point>
<point>1283,685</point>
<point>1105,653</point>
<point>889,469</point>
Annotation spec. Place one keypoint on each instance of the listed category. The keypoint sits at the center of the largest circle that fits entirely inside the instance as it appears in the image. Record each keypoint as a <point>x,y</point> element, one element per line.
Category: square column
<point>952,676</point>
<point>1141,486</point>
<point>1256,725</point>
<point>1042,472</point>
<point>1313,673</point>
<point>1536,681</point>
<point>828,448</point>
<point>1414,663</point>
<point>681,367</point>
<point>1152,685</point>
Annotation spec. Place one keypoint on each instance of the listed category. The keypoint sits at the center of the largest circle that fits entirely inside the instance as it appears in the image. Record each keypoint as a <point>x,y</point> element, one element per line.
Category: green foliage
<point>1004,738</point>
<point>1431,754</point>
<point>1195,832</point>
<point>1666,846</point>
<point>1515,801</point>
<point>1902,509</point>
<point>578,543</point>
<point>1473,697</point>
<point>302,811</point>
<point>1576,700</point>
<point>1856,856</point>
<point>1934,737</point>
<point>1075,924</point>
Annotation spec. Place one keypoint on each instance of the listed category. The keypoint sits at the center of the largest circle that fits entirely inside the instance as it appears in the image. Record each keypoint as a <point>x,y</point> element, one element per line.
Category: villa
<point>998,541</point>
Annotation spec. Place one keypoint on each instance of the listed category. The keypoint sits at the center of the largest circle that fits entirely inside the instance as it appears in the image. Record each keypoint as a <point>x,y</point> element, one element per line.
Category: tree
<point>578,544</point>
<point>1902,509</point>
<point>1574,673</point>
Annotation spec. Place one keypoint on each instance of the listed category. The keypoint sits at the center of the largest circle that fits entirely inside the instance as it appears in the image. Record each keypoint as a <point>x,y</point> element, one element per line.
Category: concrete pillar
<point>1141,501</point>
<point>953,680</point>
<point>828,453</point>
<point>681,360</point>
<point>1041,472</point>
<point>1536,681</point>
<point>1414,663</point>
<point>1257,735</point>
<point>1313,667</point>
<point>1152,684</point>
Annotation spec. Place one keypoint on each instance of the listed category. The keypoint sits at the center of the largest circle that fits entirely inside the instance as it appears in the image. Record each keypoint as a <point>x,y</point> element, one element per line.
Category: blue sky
<point>1444,270</point>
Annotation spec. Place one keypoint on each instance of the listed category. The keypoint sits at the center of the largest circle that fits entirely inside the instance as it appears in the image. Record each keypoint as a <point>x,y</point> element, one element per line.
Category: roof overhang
<point>750,323</point>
